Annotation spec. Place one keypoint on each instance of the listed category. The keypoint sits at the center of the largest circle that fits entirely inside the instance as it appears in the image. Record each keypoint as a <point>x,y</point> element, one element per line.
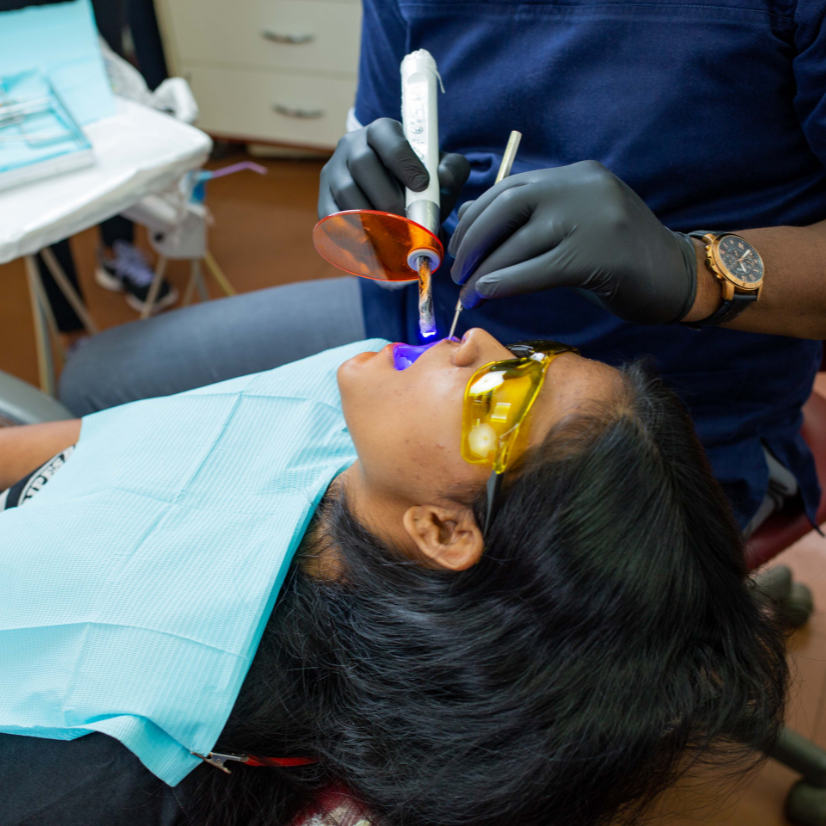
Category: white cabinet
<point>267,70</point>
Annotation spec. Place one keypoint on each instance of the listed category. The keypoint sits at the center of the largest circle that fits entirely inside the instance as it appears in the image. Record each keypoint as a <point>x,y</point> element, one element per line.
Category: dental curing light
<point>388,247</point>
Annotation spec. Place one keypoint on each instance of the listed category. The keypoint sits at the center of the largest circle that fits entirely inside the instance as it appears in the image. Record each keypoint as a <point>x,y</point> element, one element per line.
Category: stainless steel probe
<point>504,170</point>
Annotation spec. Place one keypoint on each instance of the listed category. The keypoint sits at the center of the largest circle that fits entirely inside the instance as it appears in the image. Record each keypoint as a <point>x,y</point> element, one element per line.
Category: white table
<point>139,151</point>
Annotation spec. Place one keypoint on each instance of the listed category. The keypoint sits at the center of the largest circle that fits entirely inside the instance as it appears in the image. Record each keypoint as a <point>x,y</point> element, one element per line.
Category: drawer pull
<point>298,112</point>
<point>291,39</point>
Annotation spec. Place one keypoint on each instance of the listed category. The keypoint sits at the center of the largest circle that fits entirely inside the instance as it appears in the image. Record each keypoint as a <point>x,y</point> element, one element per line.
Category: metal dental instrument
<point>389,247</point>
<point>504,170</point>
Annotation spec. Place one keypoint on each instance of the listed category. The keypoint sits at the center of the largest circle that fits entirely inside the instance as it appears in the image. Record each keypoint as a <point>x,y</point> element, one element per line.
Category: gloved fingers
<point>347,194</point>
<point>386,137</point>
<point>544,272</point>
<point>326,202</point>
<point>454,170</point>
<point>494,225</point>
<point>528,242</point>
<point>464,208</point>
<point>334,170</point>
<point>480,205</point>
<point>382,190</point>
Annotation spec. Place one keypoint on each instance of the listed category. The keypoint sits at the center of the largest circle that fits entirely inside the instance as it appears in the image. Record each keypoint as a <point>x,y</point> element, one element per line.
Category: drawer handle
<point>298,112</point>
<point>291,39</point>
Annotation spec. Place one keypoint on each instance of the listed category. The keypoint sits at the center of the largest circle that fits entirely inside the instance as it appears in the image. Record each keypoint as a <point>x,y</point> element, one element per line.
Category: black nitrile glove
<point>372,166</point>
<point>576,226</point>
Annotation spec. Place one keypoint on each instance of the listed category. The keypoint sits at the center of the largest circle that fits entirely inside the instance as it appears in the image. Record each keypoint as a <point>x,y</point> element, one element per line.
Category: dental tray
<point>39,137</point>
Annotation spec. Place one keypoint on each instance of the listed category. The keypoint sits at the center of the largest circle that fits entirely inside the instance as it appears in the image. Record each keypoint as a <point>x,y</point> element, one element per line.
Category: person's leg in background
<point>70,326</point>
<point>110,17</point>
<point>122,267</point>
<point>143,24</point>
<point>206,343</point>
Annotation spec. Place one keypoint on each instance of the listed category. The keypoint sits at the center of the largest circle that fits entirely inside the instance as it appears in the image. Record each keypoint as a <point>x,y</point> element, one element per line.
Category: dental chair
<point>20,403</point>
<point>806,802</point>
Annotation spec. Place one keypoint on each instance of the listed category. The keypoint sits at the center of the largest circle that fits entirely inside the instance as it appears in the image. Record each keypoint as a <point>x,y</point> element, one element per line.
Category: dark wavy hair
<point>608,641</point>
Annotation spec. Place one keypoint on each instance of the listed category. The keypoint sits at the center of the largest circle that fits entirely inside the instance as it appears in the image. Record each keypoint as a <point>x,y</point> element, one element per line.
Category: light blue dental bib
<point>134,588</point>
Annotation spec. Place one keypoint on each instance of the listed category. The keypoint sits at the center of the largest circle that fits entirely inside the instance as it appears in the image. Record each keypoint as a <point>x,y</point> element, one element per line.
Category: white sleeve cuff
<point>352,120</point>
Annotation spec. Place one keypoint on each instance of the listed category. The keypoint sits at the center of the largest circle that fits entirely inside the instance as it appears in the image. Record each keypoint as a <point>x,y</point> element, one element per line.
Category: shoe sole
<point>109,282</point>
<point>161,304</point>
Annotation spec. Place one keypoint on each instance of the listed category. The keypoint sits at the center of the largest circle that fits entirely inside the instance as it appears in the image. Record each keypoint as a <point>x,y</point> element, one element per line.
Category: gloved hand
<point>576,226</point>
<point>371,167</point>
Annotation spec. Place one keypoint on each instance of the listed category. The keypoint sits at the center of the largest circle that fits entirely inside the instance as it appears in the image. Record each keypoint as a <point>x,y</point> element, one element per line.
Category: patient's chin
<point>349,370</point>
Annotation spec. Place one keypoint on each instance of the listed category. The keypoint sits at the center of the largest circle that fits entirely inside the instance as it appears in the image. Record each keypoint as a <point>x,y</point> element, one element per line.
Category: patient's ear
<point>448,537</point>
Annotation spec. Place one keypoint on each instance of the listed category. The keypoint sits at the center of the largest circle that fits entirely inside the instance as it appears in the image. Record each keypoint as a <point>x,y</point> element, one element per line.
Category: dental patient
<point>497,587</point>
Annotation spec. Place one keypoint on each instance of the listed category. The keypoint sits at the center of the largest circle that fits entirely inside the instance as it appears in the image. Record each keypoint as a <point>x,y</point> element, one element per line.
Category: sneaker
<point>129,272</point>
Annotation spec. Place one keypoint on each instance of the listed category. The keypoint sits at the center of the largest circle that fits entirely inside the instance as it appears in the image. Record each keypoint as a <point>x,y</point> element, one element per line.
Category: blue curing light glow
<point>406,354</point>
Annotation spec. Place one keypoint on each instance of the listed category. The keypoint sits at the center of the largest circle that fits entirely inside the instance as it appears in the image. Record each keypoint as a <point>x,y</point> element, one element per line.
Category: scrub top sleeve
<point>809,67</point>
<point>384,42</point>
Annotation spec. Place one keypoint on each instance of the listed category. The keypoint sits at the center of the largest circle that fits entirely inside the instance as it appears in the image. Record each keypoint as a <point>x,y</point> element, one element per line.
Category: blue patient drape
<point>135,587</point>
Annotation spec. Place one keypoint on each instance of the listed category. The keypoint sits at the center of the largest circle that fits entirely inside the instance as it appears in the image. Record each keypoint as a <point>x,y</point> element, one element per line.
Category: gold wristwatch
<point>737,265</point>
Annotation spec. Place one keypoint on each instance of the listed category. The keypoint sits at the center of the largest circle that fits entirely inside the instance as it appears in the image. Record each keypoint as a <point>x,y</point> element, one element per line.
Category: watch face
<point>741,259</point>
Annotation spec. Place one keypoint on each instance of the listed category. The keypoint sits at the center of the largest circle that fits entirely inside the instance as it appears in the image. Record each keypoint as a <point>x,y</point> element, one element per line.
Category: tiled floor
<point>262,238</point>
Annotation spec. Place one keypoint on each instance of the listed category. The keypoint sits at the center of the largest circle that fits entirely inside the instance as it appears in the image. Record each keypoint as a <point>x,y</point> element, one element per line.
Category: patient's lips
<point>405,354</point>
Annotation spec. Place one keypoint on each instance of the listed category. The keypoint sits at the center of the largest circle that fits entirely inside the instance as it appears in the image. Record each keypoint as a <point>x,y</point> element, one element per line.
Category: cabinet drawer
<point>301,35</point>
<point>272,106</point>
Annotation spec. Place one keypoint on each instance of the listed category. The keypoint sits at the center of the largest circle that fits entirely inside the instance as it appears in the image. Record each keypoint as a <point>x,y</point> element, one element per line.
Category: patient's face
<point>406,425</point>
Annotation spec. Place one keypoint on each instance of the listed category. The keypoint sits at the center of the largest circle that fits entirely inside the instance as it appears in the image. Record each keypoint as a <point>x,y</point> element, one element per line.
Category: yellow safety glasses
<point>498,399</point>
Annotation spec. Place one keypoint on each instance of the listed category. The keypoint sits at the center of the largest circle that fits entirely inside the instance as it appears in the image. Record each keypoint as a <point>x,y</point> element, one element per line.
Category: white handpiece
<point>420,116</point>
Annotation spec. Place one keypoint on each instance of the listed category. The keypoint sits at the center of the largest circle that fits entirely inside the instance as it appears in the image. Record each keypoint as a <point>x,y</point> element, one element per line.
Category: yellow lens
<point>497,400</point>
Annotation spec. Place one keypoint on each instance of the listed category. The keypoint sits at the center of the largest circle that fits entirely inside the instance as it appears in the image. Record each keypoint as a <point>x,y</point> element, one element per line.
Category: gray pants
<point>211,342</point>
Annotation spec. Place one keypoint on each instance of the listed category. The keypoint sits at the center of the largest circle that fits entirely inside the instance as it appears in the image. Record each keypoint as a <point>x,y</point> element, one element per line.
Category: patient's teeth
<point>405,354</point>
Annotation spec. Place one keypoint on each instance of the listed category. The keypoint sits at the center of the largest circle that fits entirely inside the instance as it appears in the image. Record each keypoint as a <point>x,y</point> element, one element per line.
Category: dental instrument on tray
<point>504,170</point>
<point>388,247</point>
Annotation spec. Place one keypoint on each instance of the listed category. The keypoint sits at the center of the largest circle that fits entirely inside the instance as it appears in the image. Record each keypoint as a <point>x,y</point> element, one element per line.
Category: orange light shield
<point>374,244</point>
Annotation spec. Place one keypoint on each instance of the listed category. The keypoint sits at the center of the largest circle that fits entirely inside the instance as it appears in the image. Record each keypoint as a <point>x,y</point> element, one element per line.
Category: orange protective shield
<point>373,244</point>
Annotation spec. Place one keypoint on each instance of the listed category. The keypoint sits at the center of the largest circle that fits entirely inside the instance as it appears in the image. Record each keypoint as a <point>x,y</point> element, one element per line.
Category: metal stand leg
<point>200,283</point>
<point>160,269</point>
<point>51,322</point>
<point>45,366</point>
<point>194,276</point>
<point>218,273</point>
<point>69,291</point>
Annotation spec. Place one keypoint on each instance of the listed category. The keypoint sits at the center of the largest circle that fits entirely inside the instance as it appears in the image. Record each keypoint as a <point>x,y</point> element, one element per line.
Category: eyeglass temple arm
<point>494,486</point>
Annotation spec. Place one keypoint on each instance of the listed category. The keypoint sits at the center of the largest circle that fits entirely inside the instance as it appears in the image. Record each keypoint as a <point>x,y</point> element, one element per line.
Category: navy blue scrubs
<point>714,111</point>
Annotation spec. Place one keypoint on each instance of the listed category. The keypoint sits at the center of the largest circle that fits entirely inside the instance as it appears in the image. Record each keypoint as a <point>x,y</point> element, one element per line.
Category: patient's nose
<point>477,348</point>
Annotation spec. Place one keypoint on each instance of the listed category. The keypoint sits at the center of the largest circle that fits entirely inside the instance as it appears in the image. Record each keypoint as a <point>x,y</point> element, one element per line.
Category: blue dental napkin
<point>60,41</point>
<point>135,587</point>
